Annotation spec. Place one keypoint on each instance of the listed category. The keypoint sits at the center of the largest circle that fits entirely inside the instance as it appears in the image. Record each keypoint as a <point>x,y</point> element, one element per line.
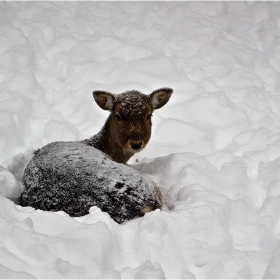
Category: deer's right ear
<point>105,100</point>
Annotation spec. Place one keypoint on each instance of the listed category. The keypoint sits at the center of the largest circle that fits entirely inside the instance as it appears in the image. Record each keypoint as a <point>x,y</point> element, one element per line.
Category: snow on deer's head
<point>130,120</point>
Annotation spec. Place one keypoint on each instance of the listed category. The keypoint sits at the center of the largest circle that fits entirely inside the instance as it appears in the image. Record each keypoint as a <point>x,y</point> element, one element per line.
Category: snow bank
<point>214,152</point>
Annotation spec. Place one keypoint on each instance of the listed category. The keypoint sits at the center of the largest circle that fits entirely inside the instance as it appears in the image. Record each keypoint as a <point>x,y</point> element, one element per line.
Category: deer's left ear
<point>160,97</point>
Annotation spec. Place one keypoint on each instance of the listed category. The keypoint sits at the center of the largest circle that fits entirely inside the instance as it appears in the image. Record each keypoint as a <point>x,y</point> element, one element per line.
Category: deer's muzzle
<point>136,145</point>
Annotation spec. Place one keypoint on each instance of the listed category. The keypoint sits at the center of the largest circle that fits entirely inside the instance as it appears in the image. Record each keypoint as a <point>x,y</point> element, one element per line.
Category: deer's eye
<point>148,117</point>
<point>118,117</point>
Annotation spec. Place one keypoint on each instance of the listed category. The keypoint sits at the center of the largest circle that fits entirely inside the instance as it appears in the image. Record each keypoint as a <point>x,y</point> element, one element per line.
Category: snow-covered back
<point>214,151</point>
<point>72,177</point>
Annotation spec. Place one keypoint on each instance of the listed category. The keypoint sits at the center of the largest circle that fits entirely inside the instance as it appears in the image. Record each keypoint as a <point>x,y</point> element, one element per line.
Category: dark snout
<point>136,145</point>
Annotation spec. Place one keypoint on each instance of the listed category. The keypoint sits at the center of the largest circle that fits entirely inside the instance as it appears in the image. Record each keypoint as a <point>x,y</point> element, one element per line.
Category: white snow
<point>214,151</point>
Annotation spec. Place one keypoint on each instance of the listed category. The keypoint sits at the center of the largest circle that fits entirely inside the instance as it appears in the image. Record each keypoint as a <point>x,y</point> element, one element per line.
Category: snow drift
<point>214,151</point>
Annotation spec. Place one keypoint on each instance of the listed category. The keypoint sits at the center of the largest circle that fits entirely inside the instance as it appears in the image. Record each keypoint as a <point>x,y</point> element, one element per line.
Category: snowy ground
<point>214,152</point>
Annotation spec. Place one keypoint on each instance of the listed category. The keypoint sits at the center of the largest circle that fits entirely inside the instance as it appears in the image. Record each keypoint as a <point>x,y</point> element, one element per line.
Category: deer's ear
<point>160,97</point>
<point>104,99</point>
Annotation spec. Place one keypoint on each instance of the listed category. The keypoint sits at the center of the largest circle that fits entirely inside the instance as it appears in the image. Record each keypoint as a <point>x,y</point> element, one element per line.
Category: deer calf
<point>128,128</point>
<point>74,176</point>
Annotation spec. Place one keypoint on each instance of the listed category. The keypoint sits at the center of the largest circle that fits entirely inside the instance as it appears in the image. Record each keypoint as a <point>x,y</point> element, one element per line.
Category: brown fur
<point>128,128</point>
<point>36,152</point>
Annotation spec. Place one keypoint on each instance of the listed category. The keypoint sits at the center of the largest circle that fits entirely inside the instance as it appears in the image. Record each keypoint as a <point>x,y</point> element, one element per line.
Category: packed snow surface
<point>214,151</point>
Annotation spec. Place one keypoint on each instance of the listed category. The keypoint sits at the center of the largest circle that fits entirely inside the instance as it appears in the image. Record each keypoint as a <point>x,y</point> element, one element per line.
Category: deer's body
<point>104,142</point>
<point>70,176</point>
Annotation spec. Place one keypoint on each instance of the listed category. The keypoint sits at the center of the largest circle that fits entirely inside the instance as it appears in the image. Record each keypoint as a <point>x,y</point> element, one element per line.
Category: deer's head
<point>130,120</point>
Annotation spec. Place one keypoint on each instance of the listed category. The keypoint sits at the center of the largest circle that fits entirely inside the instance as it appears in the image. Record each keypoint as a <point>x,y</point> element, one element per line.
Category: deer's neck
<point>106,143</point>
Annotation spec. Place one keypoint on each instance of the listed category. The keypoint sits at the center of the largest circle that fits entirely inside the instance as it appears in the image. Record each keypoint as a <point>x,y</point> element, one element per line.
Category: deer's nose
<point>135,145</point>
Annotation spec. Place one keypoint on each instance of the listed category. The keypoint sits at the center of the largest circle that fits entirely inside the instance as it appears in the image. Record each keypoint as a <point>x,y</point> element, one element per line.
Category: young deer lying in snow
<point>128,128</point>
<point>74,176</point>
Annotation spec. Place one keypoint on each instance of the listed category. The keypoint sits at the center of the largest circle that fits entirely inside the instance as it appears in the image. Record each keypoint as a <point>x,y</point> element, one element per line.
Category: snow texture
<point>134,104</point>
<point>73,177</point>
<point>214,150</point>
